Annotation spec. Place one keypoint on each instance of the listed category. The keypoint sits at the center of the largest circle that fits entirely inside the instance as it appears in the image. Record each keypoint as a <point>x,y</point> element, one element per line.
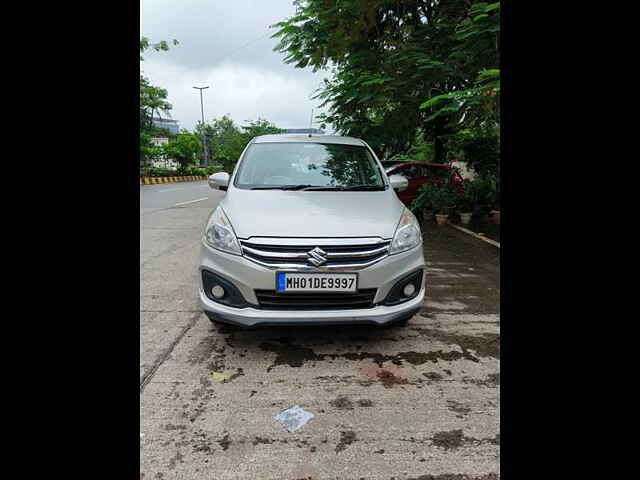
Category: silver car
<point>310,231</point>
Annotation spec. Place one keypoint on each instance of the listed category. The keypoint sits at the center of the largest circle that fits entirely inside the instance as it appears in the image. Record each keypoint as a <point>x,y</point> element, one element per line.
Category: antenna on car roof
<point>311,122</point>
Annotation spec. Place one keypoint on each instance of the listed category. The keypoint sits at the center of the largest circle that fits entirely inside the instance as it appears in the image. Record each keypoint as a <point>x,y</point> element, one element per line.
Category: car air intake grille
<point>330,254</point>
<point>271,300</point>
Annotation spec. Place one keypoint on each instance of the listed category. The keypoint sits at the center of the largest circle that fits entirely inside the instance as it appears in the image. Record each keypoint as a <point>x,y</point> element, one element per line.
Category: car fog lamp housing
<point>408,290</point>
<point>405,289</point>
<point>221,290</point>
<point>217,291</point>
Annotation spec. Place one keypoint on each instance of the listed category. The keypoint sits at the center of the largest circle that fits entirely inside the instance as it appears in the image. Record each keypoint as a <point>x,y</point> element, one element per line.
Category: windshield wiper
<point>281,187</point>
<point>352,188</point>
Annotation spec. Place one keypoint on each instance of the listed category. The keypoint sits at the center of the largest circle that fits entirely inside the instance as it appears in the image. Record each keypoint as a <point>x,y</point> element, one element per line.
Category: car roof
<point>305,137</point>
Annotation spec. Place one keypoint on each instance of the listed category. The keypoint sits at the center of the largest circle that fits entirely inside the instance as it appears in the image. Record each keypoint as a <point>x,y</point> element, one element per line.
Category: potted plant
<point>437,198</point>
<point>422,204</point>
<point>466,202</point>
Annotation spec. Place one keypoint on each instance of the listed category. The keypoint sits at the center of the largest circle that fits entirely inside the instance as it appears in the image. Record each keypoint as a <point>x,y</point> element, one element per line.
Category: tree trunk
<point>439,152</point>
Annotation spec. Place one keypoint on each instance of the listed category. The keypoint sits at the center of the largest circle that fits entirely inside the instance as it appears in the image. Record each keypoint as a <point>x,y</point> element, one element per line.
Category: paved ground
<point>419,402</point>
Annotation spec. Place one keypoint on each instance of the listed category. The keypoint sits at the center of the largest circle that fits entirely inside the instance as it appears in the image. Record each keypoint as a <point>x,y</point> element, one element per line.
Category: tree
<point>226,141</point>
<point>183,149</point>
<point>259,127</point>
<point>153,100</point>
<point>389,58</point>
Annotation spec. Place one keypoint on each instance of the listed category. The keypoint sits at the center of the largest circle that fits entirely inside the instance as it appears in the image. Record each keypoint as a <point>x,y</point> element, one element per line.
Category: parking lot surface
<point>414,402</point>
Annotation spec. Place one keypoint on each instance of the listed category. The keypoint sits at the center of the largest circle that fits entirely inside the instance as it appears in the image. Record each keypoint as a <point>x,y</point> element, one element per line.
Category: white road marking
<point>192,201</point>
<point>171,189</point>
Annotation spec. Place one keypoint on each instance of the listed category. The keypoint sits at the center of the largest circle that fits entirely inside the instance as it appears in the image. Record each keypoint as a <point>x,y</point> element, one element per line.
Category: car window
<point>408,171</point>
<point>433,172</point>
<point>317,164</point>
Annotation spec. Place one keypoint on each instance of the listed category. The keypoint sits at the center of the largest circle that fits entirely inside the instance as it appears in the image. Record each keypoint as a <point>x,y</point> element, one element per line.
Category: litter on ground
<point>294,418</point>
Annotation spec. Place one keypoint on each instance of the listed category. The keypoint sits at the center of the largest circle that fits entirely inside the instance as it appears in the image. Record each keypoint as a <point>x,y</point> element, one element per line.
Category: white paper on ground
<point>294,418</point>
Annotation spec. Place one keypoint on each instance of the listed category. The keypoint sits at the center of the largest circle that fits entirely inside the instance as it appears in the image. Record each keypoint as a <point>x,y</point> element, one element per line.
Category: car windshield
<point>308,166</point>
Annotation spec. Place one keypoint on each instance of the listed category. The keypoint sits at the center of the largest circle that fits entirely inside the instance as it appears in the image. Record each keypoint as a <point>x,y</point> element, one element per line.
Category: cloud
<point>246,81</point>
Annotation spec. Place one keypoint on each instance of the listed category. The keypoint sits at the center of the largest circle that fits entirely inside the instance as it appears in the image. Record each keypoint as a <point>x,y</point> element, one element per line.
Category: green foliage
<point>226,141</point>
<point>440,198</point>
<point>187,171</point>
<point>389,58</point>
<point>145,44</point>
<point>482,154</point>
<point>183,149</point>
<point>466,201</point>
<point>484,190</point>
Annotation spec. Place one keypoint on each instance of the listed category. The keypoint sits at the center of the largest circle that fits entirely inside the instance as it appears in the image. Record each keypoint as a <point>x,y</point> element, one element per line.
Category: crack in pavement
<point>160,360</point>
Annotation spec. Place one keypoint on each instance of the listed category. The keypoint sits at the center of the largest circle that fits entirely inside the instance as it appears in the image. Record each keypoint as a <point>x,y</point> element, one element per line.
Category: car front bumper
<point>248,276</point>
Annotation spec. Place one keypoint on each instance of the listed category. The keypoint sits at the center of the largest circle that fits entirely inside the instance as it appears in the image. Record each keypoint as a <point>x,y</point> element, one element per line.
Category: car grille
<point>338,254</point>
<point>271,300</point>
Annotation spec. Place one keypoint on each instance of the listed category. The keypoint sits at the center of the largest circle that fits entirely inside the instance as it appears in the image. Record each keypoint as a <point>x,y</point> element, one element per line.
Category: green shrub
<point>440,198</point>
<point>485,192</point>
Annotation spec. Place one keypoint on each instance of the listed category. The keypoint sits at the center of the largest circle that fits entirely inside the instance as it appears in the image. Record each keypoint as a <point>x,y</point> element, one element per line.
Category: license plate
<point>316,282</point>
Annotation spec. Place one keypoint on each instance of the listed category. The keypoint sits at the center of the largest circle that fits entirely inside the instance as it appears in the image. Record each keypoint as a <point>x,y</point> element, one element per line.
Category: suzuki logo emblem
<point>317,256</point>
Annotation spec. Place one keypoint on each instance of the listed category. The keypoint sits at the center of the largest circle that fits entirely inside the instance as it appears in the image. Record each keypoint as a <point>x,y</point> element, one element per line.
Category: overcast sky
<point>245,83</point>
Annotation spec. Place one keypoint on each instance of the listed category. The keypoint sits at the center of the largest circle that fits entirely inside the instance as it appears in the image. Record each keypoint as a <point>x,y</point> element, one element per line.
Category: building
<point>316,131</point>
<point>167,123</point>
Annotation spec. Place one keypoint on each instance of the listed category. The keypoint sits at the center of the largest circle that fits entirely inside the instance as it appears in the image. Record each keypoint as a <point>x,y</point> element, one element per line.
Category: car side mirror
<point>219,181</point>
<point>399,183</point>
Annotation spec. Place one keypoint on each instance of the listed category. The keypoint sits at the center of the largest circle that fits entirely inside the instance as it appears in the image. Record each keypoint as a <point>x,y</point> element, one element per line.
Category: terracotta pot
<point>495,218</point>
<point>442,219</point>
<point>465,218</point>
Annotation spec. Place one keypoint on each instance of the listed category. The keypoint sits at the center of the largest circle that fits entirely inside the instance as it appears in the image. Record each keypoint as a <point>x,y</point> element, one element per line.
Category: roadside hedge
<point>189,171</point>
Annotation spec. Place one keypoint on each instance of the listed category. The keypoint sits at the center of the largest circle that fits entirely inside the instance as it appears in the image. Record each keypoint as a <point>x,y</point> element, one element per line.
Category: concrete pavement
<point>401,403</point>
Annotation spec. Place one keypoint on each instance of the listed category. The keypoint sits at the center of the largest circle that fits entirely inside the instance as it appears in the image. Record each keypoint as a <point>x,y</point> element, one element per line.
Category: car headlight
<point>219,233</point>
<point>407,234</point>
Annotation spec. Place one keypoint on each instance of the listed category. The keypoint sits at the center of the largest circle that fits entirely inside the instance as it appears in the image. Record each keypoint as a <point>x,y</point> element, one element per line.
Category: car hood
<point>278,213</point>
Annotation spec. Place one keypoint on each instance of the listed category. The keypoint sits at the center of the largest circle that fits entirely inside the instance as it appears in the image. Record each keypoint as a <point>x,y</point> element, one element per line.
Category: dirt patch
<point>170,427</point>
<point>346,439</point>
<point>485,345</point>
<point>388,379</point>
<point>296,355</point>
<point>448,440</point>
<point>239,373</point>
<point>458,407</point>
<point>492,380</point>
<point>342,403</point>
<point>260,440</point>
<point>457,476</point>
<point>290,354</point>
<point>225,442</point>
<point>202,352</point>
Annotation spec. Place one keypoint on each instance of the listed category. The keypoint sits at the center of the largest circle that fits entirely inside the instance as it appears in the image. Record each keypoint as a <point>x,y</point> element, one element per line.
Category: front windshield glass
<point>307,164</point>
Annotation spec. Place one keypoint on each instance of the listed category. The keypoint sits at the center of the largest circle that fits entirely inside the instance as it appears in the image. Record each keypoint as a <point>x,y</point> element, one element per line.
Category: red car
<point>419,173</point>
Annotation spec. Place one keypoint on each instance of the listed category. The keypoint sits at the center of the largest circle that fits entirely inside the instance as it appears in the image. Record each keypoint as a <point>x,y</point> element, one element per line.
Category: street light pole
<point>204,140</point>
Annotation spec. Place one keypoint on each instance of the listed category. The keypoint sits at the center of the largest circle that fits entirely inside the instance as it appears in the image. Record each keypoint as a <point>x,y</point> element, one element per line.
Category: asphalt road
<point>418,402</point>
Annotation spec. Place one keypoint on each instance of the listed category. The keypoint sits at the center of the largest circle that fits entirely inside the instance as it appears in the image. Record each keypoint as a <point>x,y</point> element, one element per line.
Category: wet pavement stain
<point>346,439</point>
<point>457,476</point>
<point>458,408</point>
<point>260,440</point>
<point>225,442</point>
<point>295,356</point>
<point>388,379</point>
<point>342,403</point>
<point>485,345</point>
<point>449,440</point>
